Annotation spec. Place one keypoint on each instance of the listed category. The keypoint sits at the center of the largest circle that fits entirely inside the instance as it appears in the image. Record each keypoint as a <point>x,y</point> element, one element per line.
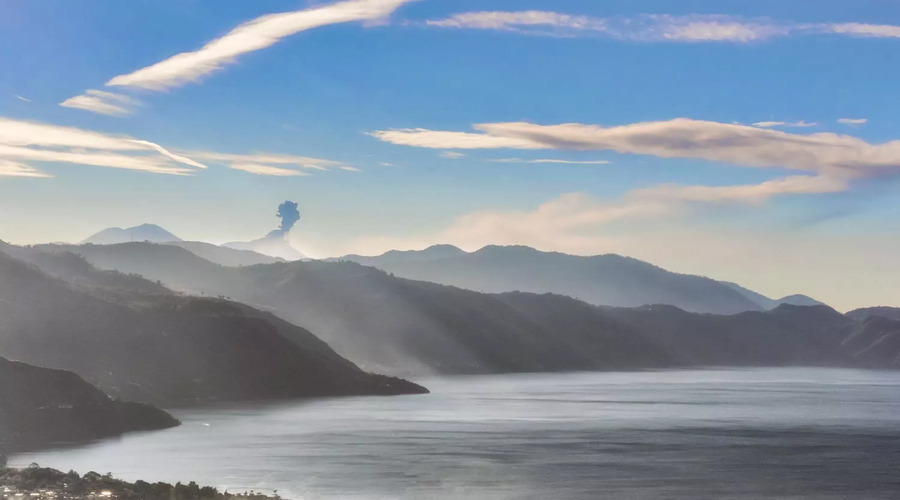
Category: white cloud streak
<point>800,124</point>
<point>864,30</point>
<point>424,138</point>
<point>551,161</point>
<point>678,138</point>
<point>266,158</point>
<point>692,28</point>
<point>23,99</point>
<point>452,155</point>
<point>269,163</point>
<point>257,169</point>
<point>144,163</point>
<point>257,34</point>
<point>853,121</point>
<point>44,143</point>
<point>14,169</point>
<point>104,103</point>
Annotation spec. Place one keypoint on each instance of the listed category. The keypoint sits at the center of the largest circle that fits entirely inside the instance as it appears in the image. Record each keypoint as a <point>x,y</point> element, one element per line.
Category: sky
<point>754,142</point>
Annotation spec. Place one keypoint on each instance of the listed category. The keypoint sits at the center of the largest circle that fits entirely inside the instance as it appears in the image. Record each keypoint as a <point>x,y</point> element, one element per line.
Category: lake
<point>720,433</point>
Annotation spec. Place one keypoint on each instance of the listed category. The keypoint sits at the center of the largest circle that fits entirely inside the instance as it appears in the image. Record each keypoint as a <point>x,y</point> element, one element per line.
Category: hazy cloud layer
<point>575,222</point>
<point>656,27</point>
<point>104,103</point>
<point>32,142</point>
<point>250,36</point>
<point>678,138</point>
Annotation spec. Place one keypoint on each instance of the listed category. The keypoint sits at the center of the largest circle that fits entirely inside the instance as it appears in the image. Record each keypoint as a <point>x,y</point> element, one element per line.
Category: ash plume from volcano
<point>275,243</point>
<point>289,216</point>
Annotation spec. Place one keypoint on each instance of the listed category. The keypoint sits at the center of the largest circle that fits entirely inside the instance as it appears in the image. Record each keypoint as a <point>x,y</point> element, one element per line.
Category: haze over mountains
<point>272,247</point>
<point>137,340</point>
<point>265,250</point>
<point>181,323</point>
<point>400,326</point>
<point>144,232</point>
<point>610,279</point>
<point>275,243</point>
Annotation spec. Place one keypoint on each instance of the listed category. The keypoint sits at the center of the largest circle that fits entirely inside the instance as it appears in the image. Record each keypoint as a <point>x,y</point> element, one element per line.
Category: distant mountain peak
<point>143,232</point>
<point>800,300</point>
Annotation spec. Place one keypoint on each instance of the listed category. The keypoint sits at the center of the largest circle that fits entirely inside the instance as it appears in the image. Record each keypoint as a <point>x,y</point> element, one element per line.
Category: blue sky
<point>382,110</point>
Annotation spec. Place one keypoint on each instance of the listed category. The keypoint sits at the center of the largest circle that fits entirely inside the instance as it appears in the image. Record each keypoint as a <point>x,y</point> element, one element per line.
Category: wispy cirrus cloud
<point>23,99</point>
<point>863,30</point>
<point>24,143</point>
<point>853,121</point>
<point>799,124</point>
<point>15,169</point>
<point>258,169</point>
<point>551,161</point>
<point>253,35</point>
<point>743,145</point>
<point>33,142</point>
<point>104,103</point>
<point>452,155</point>
<point>832,163</point>
<point>269,163</point>
<point>692,28</point>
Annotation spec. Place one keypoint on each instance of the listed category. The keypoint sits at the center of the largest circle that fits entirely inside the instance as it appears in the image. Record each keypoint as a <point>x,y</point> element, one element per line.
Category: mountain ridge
<point>402,326</point>
<point>193,349</point>
<point>608,279</point>
<point>143,232</point>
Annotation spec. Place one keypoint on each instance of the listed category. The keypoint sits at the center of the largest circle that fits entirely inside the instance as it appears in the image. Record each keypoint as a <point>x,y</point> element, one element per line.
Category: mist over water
<point>733,434</point>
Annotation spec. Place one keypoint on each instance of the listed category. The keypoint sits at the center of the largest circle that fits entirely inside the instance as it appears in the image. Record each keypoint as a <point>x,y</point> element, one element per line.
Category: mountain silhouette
<point>144,232</point>
<point>137,340</point>
<point>401,326</point>
<point>610,280</point>
<point>39,406</point>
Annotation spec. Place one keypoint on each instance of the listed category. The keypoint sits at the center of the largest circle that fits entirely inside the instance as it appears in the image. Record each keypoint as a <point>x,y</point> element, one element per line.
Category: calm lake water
<point>730,434</point>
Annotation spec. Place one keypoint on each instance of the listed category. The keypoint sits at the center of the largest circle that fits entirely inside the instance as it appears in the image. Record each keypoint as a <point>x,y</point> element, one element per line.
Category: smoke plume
<point>289,215</point>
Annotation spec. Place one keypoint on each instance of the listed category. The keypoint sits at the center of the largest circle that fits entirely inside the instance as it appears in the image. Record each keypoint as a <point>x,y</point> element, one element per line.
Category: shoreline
<point>46,483</point>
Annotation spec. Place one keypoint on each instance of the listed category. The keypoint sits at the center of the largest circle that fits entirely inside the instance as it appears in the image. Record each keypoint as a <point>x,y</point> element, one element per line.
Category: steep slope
<point>74,269</point>
<point>225,256</point>
<point>875,343</point>
<point>40,406</point>
<point>403,326</point>
<point>610,280</point>
<point>169,349</point>
<point>144,232</point>
<point>787,335</point>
